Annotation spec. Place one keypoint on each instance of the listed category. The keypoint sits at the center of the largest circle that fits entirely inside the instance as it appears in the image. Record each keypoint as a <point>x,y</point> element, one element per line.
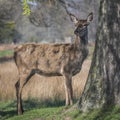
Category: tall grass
<point>39,86</point>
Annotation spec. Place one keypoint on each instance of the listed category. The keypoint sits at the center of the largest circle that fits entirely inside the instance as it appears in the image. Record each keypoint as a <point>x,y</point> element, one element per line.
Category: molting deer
<point>53,60</point>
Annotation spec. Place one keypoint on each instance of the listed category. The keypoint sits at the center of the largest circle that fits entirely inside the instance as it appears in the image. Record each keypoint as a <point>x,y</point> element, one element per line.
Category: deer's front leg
<point>68,89</point>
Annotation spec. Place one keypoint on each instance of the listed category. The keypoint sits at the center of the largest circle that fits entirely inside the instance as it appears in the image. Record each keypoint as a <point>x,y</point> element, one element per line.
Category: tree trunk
<point>103,85</point>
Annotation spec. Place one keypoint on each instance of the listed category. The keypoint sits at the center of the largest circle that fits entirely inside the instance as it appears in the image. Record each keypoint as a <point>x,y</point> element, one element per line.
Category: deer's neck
<point>79,44</point>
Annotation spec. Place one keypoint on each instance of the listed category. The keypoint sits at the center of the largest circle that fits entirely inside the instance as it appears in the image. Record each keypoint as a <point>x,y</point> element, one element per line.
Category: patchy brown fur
<point>48,59</point>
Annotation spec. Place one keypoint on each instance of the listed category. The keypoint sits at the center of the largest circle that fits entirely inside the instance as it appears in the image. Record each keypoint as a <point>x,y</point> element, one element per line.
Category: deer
<point>53,59</point>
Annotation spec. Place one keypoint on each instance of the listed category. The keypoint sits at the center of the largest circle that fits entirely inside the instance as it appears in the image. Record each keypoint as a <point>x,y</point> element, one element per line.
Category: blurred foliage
<point>26,8</point>
<point>41,20</point>
<point>7,31</point>
<point>9,14</point>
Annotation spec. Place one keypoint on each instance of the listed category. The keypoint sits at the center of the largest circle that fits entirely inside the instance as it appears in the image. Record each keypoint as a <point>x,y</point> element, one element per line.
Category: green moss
<point>111,113</point>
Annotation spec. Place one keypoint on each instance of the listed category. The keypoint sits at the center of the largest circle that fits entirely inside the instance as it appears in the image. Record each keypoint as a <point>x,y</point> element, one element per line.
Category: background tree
<point>103,85</point>
<point>53,26</point>
<point>8,17</point>
<point>46,20</point>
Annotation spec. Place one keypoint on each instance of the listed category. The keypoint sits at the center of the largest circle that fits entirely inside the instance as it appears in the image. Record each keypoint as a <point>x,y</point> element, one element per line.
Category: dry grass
<point>40,87</point>
<point>7,80</point>
<point>6,46</point>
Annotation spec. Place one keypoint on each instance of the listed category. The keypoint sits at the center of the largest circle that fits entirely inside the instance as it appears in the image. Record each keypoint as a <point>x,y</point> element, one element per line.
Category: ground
<point>36,110</point>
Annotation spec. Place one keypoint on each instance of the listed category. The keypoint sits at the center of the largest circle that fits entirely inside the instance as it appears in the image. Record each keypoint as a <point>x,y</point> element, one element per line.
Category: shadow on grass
<point>7,114</point>
<point>6,59</point>
<point>9,109</point>
<point>34,103</point>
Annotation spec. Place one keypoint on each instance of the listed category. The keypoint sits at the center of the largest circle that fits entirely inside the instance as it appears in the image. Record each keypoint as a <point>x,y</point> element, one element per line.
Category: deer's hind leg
<point>23,78</point>
<point>68,89</point>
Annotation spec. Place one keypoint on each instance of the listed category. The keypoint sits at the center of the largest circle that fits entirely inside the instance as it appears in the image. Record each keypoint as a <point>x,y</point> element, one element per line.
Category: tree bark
<point>103,84</point>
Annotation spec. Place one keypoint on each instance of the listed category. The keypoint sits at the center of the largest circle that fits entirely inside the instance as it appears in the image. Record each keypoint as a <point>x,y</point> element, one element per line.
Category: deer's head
<point>81,27</point>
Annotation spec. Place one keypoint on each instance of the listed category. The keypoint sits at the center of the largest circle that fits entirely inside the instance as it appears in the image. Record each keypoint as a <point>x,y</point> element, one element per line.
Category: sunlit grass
<point>41,110</point>
<point>6,53</point>
<point>54,112</point>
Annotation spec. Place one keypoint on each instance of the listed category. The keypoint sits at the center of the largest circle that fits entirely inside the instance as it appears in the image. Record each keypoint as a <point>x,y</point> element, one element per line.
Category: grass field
<point>36,110</point>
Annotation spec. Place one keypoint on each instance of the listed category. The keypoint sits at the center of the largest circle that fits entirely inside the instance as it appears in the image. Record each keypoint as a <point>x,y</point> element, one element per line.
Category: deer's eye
<point>80,28</point>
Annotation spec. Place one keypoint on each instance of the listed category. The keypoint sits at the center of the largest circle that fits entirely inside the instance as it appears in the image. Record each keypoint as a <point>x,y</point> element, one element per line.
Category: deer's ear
<point>90,18</point>
<point>73,19</point>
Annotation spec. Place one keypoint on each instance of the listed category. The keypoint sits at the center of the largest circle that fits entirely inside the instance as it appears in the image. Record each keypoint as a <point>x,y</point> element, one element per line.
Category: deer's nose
<point>76,32</point>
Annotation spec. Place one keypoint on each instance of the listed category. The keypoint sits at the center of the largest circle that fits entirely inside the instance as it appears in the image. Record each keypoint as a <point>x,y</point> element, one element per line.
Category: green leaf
<point>26,8</point>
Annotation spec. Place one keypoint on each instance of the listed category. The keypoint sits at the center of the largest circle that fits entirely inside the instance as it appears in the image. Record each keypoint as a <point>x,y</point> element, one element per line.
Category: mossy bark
<point>103,85</point>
